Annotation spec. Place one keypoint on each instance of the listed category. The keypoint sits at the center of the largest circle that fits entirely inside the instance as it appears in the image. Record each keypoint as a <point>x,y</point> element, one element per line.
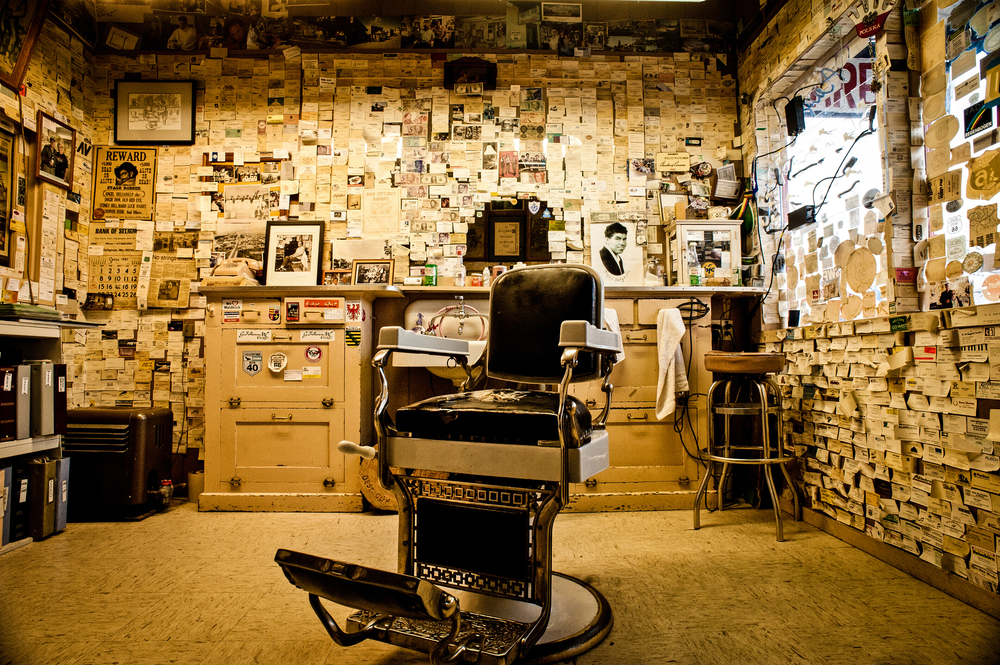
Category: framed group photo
<point>154,112</point>
<point>293,253</point>
<point>373,271</point>
<point>56,147</point>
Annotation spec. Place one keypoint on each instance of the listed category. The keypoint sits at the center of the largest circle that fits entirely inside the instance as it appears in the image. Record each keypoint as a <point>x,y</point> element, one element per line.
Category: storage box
<point>704,252</point>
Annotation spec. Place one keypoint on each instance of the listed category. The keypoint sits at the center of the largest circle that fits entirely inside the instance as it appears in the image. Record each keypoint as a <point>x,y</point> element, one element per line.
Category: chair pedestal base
<point>580,619</point>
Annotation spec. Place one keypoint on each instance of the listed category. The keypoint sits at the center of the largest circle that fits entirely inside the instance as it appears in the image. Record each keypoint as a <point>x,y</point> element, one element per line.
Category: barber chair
<point>475,581</point>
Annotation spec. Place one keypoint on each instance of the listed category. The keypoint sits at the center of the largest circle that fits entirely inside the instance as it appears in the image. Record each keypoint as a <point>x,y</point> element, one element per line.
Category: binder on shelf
<point>62,493</point>
<point>42,498</point>
<point>59,398</point>
<point>42,398</point>
<point>6,478</point>
<point>22,395</point>
<point>8,403</point>
<point>19,503</point>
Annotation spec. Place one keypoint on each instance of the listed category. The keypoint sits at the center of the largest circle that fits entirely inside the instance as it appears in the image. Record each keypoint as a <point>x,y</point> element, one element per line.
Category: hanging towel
<point>672,376</point>
<point>611,323</point>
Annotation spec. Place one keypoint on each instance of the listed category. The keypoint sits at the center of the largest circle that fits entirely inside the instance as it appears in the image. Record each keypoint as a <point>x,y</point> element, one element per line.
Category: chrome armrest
<point>582,336</point>
<point>587,337</point>
<point>396,339</point>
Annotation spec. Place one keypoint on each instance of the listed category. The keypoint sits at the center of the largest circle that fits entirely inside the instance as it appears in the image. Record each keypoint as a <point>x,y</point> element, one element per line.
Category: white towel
<point>611,323</point>
<point>672,376</point>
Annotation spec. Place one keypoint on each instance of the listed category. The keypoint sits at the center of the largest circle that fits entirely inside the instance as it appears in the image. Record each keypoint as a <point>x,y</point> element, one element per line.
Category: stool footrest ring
<point>742,409</point>
<point>742,460</point>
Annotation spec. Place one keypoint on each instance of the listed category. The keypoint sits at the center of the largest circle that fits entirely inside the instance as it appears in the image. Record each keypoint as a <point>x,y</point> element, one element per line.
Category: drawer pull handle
<point>277,417</point>
<point>234,402</point>
<point>629,338</point>
<point>328,402</point>
<point>288,337</point>
<point>235,481</point>
<point>644,416</point>
<point>591,402</point>
<point>244,312</point>
<point>329,482</point>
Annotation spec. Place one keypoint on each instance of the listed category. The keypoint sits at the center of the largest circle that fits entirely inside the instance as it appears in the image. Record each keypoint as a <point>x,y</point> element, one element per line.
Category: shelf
<point>28,446</point>
<point>371,291</point>
<point>39,329</point>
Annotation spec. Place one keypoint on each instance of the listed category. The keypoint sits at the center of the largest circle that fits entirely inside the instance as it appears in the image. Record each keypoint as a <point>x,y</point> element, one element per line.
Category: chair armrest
<point>397,339</point>
<point>587,337</point>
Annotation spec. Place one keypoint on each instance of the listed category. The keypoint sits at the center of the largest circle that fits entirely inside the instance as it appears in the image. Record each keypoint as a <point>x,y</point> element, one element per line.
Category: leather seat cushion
<point>495,416</point>
<point>744,363</point>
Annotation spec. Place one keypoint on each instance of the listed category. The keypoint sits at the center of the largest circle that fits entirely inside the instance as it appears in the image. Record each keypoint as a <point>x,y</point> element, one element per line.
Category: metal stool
<point>747,371</point>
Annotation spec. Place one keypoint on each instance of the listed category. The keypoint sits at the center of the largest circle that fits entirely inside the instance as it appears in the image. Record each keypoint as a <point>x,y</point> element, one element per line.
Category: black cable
<point>27,238</point>
<point>867,132</point>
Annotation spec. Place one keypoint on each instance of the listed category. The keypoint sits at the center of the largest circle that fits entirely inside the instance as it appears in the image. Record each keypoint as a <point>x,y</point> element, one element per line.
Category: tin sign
<point>252,362</point>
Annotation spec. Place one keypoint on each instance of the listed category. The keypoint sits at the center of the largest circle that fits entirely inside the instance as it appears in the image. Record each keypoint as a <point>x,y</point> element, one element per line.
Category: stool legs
<point>763,390</point>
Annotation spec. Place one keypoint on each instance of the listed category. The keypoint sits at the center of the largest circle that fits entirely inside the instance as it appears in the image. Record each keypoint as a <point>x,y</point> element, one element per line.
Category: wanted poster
<point>124,183</point>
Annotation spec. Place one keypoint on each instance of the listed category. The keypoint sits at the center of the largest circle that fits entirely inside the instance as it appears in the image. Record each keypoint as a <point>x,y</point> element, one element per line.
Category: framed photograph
<point>293,252</point>
<point>507,239</point>
<point>470,70</point>
<point>154,112</point>
<point>561,12</point>
<point>336,277</point>
<point>373,271</point>
<point>6,189</point>
<point>21,22</point>
<point>55,151</point>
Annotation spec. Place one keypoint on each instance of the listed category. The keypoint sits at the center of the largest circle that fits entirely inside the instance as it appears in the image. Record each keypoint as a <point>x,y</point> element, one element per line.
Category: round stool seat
<point>744,363</point>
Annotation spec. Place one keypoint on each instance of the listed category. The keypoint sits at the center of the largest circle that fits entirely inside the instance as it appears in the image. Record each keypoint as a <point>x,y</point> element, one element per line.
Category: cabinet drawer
<point>317,355</point>
<point>644,450</point>
<point>650,307</point>
<point>258,312</point>
<point>283,450</point>
<point>625,310</point>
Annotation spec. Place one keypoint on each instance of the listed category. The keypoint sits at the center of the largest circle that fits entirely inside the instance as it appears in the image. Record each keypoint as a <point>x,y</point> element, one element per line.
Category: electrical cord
<point>867,132</point>
<point>24,172</point>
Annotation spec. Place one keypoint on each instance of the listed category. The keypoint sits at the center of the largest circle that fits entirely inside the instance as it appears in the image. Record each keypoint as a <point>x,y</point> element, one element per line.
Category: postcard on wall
<point>124,182</point>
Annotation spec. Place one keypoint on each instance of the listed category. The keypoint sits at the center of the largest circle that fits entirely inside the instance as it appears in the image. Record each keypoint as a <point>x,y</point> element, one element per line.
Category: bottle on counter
<point>430,275</point>
<point>460,275</point>
<point>486,276</point>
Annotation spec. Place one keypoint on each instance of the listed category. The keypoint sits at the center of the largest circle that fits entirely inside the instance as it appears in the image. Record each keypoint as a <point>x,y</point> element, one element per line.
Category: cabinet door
<point>285,450</point>
<point>646,454</point>
<point>245,372</point>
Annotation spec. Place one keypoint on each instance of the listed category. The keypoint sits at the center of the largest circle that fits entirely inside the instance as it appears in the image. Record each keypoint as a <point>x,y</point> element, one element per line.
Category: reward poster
<point>123,183</point>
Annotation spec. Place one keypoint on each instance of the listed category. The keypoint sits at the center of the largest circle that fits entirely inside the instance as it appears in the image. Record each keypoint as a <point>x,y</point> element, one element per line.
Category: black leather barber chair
<point>475,580</point>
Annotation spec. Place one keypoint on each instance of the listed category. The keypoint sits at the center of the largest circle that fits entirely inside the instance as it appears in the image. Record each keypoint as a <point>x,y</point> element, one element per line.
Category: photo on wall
<point>614,254</point>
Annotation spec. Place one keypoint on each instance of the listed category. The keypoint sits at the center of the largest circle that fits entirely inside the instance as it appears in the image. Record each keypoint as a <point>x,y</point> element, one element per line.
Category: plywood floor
<point>193,588</point>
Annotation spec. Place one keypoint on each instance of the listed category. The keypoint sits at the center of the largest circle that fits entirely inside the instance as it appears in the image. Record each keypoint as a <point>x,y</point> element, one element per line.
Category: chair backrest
<point>527,308</point>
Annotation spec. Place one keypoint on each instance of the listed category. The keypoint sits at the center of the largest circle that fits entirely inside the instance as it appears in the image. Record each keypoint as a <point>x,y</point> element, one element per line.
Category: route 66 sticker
<point>277,361</point>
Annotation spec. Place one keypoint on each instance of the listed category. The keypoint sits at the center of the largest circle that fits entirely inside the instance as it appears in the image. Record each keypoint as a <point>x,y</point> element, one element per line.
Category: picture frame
<point>293,253</point>
<point>562,12</point>
<point>470,70</point>
<point>6,194</point>
<point>337,277</point>
<point>16,54</point>
<point>55,150</point>
<point>372,272</point>
<point>154,112</point>
<point>507,239</point>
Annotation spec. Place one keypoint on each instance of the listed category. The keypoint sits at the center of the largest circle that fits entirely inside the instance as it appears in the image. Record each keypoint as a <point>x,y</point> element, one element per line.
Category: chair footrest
<point>500,460</point>
<point>500,636</point>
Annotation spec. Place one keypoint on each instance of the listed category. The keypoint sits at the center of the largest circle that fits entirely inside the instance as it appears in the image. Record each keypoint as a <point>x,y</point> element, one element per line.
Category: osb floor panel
<point>190,588</point>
